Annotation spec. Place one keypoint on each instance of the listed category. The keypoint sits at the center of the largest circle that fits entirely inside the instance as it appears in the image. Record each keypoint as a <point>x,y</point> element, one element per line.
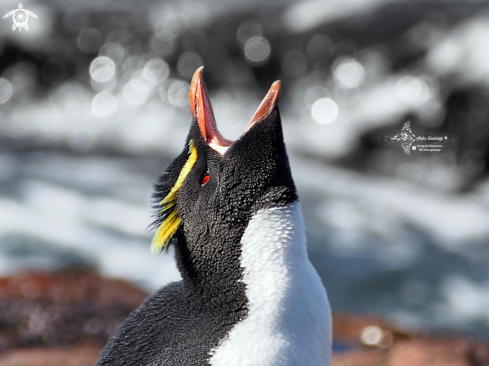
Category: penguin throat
<point>288,320</point>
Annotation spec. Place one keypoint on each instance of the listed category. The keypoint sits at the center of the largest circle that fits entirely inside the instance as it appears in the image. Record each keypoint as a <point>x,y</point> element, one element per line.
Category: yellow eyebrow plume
<point>172,221</point>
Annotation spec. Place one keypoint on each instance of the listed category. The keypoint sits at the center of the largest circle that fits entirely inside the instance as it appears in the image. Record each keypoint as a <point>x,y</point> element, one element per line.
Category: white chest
<point>289,319</point>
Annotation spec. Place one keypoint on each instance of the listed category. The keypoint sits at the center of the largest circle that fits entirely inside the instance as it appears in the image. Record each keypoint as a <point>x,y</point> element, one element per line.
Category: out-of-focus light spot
<point>348,73</point>
<point>102,69</point>
<point>103,86</point>
<point>53,70</point>
<point>129,43</point>
<point>178,93</point>
<point>175,92</point>
<point>156,69</point>
<point>371,335</point>
<point>413,90</point>
<point>148,76</point>
<point>317,77</point>
<point>324,110</point>
<point>21,75</point>
<point>129,66</point>
<point>248,29</point>
<point>374,336</point>
<point>188,63</point>
<point>314,93</point>
<point>257,50</point>
<point>5,90</point>
<point>162,47</point>
<point>104,105</point>
<point>171,26</point>
<point>113,51</point>
<point>136,92</point>
<point>386,340</point>
<point>294,64</point>
<point>89,40</point>
<point>408,175</point>
<point>319,47</point>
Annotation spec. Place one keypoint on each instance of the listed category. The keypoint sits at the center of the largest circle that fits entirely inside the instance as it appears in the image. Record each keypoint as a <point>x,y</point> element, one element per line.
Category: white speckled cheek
<point>289,318</point>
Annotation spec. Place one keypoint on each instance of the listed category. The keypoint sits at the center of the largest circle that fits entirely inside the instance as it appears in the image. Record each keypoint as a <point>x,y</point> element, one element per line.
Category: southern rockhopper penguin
<point>248,294</point>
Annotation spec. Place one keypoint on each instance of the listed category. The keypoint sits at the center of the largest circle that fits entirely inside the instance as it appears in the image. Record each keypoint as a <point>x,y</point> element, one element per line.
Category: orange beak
<point>201,108</point>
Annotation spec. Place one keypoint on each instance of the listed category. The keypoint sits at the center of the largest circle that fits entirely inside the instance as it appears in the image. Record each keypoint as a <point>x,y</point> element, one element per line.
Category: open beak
<point>200,107</point>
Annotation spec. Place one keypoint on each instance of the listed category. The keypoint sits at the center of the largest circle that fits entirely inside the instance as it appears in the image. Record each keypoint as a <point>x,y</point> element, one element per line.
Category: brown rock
<point>349,328</point>
<point>77,356</point>
<point>366,357</point>
<point>62,309</point>
<point>65,318</point>
<point>71,287</point>
<point>430,352</point>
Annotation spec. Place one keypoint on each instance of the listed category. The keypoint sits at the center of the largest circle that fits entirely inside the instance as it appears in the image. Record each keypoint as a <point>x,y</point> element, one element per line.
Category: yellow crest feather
<point>172,221</point>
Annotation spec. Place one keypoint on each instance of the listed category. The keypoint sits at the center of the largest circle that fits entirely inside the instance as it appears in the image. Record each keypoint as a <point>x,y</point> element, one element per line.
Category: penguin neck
<point>211,268</point>
<point>274,251</point>
<point>288,314</point>
<point>272,238</point>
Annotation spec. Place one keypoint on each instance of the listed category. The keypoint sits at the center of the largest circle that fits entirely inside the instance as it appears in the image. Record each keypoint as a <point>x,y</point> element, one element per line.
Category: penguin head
<point>208,194</point>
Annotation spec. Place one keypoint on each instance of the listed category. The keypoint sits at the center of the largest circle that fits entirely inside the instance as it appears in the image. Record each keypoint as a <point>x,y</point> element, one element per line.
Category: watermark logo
<point>20,17</point>
<point>432,142</point>
<point>405,138</point>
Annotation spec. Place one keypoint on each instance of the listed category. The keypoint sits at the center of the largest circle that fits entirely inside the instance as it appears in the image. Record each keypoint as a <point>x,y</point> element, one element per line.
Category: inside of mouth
<point>202,109</point>
<point>215,140</point>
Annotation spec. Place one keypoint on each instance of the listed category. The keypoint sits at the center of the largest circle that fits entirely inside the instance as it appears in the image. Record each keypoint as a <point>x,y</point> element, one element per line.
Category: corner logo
<point>20,17</point>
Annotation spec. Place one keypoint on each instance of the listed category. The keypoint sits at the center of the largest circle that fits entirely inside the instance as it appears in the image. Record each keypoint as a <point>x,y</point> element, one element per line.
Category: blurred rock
<point>429,352</point>
<point>418,352</point>
<point>65,319</point>
<point>358,358</point>
<point>354,329</point>
<point>62,309</point>
<point>76,356</point>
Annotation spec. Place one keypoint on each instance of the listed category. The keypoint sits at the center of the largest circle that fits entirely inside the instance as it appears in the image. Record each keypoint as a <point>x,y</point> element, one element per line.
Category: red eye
<point>205,178</point>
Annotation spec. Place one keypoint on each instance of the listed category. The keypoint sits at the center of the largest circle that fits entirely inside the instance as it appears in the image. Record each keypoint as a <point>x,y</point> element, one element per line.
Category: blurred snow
<point>107,230</point>
<point>306,15</point>
<point>463,52</point>
<point>454,223</point>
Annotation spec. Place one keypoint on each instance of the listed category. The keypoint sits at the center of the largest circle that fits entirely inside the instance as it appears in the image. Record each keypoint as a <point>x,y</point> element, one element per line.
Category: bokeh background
<point>94,105</point>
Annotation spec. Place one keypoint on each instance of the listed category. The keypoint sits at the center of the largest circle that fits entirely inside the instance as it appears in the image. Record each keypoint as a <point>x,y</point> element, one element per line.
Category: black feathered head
<point>209,192</point>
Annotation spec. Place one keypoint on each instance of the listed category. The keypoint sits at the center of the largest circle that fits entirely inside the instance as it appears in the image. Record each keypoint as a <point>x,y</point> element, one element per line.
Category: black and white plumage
<point>248,295</point>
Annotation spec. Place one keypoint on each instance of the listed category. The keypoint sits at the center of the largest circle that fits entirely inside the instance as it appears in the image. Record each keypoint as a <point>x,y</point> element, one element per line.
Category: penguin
<point>249,294</point>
